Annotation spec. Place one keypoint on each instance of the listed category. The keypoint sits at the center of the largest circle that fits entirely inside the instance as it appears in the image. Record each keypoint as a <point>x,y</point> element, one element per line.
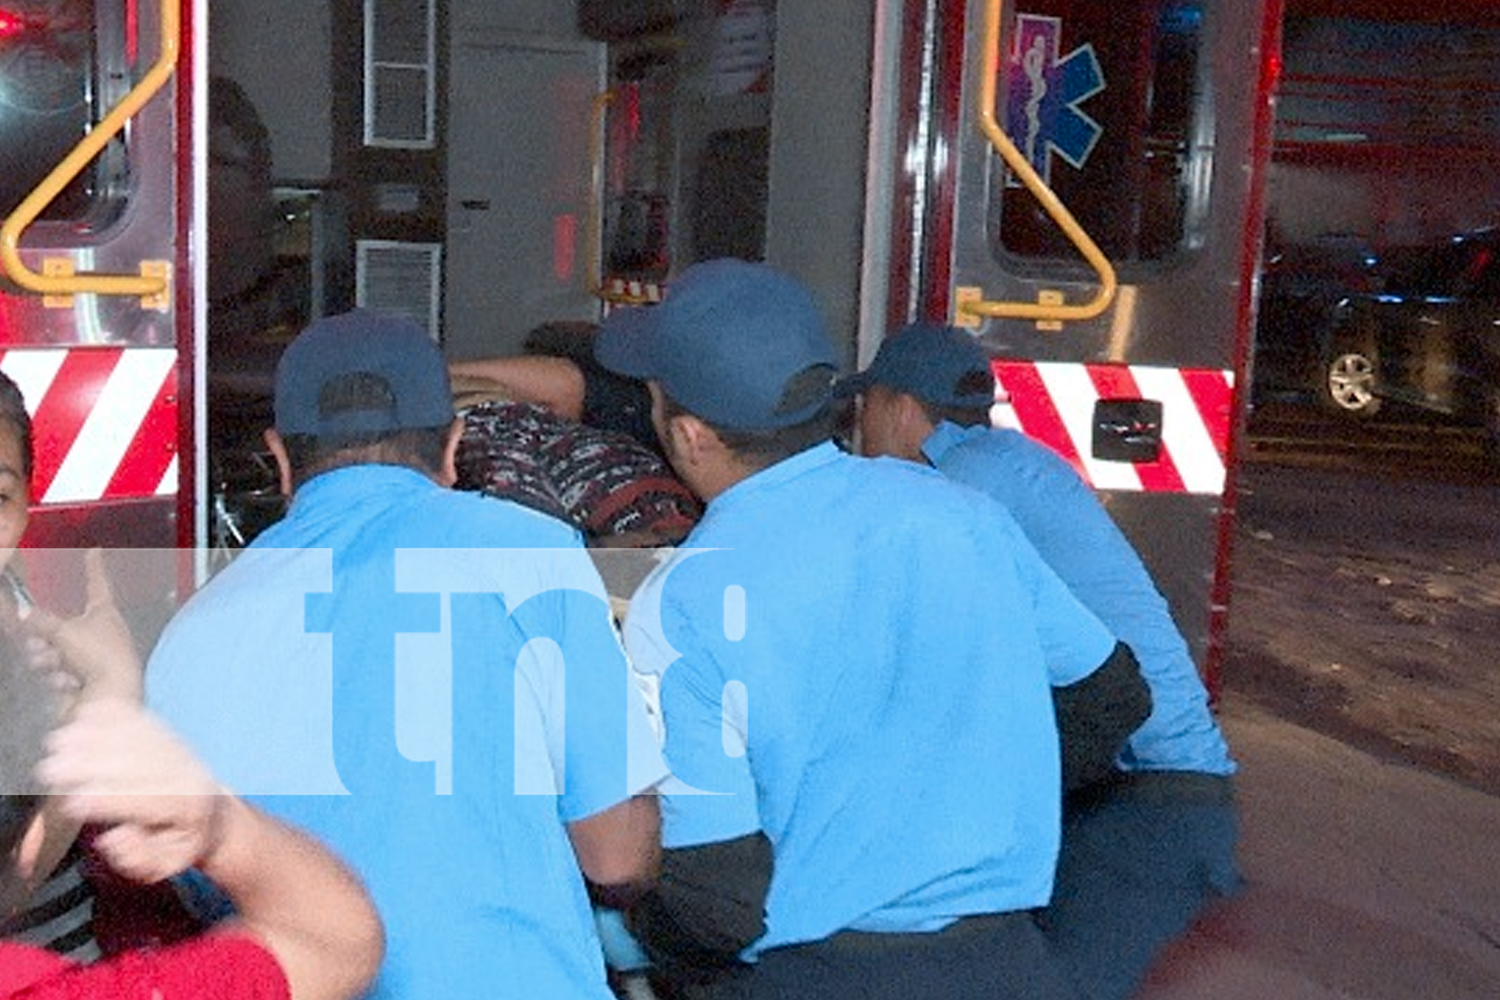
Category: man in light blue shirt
<point>1144,850</point>
<point>866,783</point>
<point>428,680</point>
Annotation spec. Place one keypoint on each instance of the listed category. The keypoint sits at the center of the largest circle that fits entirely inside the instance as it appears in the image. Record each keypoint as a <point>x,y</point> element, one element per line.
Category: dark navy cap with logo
<point>738,344</point>
<point>361,372</point>
<point>940,365</point>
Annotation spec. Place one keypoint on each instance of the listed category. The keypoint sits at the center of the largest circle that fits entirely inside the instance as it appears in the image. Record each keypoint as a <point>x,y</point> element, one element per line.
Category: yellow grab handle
<point>1053,206</point>
<point>146,285</point>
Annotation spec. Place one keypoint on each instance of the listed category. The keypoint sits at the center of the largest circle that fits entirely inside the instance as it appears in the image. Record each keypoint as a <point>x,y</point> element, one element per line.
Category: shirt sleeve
<point>710,795</point>
<point>1055,523</point>
<point>229,966</point>
<point>599,736</point>
<point>1075,642</point>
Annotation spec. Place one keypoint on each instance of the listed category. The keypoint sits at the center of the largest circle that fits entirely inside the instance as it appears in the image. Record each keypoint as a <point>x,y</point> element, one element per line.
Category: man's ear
<point>447,474</point>
<point>913,423</point>
<point>691,437</point>
<point>277,447</point>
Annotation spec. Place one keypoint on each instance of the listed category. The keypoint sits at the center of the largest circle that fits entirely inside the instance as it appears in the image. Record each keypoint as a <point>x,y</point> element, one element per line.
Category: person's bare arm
<point>555,383</point>
<point>116,765</point>
<point>619,849</point>
<point>90,657</point>
<point>303,904</point>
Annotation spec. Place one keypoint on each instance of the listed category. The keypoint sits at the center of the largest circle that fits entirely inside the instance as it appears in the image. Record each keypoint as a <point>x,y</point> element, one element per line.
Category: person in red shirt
<point>88,752</point>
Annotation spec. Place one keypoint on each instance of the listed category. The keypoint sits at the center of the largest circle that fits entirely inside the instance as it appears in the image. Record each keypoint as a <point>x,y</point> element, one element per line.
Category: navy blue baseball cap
<point>407,388</point>
<point>939,365</point>
<point>738,344</point>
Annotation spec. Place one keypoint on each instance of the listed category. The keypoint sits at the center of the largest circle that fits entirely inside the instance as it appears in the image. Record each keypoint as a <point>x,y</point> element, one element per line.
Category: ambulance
<point>1079,185</point>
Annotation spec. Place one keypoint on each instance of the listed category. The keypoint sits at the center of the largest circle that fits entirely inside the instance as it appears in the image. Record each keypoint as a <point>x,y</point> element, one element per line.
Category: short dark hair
<point>963,416</point>
<point>762,449</point>
<point>28,711</point>
<point>420,449</point>
<point>14,414</point>
<point>563,338</point>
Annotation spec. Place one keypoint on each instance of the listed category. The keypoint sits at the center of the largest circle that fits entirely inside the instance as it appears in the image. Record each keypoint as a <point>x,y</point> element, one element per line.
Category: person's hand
<point>96,646</point>
<point>41,657</point>
<point>116,765</point>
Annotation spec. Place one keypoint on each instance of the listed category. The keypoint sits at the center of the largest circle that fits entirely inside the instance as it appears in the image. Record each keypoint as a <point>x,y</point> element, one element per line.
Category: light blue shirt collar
<point>946,436</point>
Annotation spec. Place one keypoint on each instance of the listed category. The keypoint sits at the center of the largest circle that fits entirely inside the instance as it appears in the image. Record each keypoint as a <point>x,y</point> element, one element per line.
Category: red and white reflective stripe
<point>1053,402</point>
<point>104,420</point>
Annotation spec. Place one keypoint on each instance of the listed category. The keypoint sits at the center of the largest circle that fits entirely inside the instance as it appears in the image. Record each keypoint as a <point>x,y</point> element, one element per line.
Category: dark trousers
<point>993,957</point>
<point>1141,858</point>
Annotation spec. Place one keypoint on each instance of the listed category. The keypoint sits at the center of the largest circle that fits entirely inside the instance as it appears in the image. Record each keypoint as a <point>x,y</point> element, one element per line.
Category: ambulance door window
<point>1109,103</point>
<point>53,84</point>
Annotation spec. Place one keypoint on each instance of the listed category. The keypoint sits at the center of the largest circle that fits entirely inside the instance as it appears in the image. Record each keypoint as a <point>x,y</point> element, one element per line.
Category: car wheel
<point>1349,381</point>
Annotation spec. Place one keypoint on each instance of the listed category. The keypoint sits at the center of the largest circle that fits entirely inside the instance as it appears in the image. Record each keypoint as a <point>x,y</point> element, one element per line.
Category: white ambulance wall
<point>279,52</point>
<point>819,146</point>
<point>546,18</point>
<point>519,176</point>
<point>522,82</point>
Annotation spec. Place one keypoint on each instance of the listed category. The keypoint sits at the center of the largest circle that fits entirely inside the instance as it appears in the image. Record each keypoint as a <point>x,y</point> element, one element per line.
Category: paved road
<point>1363,639</point>
<point>1365,602</point>
<point>1367,880</point>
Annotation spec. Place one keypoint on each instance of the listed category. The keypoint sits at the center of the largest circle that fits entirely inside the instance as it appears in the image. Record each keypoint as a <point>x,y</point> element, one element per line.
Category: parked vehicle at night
<point>1429,339</point>
<point>1300,285</point>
